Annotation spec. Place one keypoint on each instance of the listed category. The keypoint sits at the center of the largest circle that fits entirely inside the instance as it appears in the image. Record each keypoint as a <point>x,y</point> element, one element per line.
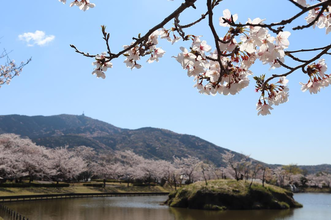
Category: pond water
<point>316,207</point>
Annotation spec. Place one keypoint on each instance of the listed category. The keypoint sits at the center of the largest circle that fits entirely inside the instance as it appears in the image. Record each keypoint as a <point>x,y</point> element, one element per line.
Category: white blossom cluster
<point>277,94</point>
<point>101,65</point>
<point>136,52</point>
<point>7,72</point>
<point>148,48</point>
<point>236,59</point>
<point>82,4</point>
<point>318,79</point>
<point>324,21</point>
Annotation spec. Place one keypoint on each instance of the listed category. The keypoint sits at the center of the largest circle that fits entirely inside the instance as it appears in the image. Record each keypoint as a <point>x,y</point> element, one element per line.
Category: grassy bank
<point>313,190</point>
<point>231,194</point>
<point>78,188</point>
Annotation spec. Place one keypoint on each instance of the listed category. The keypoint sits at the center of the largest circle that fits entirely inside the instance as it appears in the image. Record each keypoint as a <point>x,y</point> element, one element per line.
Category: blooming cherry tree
<point>65,164</point>
<point>223,67</point>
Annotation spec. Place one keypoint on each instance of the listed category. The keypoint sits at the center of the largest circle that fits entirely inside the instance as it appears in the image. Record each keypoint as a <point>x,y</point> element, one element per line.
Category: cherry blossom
<point>10,70</point>
<point>227,16</point>
<point>282,40</point>
<point>155,55</point>
<point>86,5</point>
<point>76,2</point>
<point>263,109</point>
<point>301,2</point>
<point>318,79</point>
<point>101,65</point>
<point>324,20</point>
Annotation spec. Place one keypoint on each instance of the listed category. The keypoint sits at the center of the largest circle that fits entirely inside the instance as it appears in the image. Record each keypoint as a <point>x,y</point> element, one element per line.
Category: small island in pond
<point>231,195</point>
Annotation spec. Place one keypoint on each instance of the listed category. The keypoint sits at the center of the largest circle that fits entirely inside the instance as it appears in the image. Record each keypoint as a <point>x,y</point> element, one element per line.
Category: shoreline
<point>79,189</point>
<point>313,190</point>
<point>6,199</point>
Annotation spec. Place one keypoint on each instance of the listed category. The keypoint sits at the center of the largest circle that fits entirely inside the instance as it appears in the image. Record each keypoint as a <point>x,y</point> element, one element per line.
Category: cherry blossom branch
<point>270,26</point>
<point>313,21</point>
<point>306,50</point>
<point>10,70</point>
<point>226,69</point>
<point>106,38</point>
<point>289,53</point>
<point>295,58</point>
<point>180,9</point>
<point>302,66</point>
<point>203,16</point>
<point>80,52</point>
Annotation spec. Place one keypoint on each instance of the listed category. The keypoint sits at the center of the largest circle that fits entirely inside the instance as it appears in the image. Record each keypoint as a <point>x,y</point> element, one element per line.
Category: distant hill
<point>58,125</point>
<point>316,168</point>
<point>73,130</point>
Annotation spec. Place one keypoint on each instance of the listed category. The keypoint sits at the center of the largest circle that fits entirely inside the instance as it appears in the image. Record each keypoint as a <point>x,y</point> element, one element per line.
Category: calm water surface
<point>316,207</point>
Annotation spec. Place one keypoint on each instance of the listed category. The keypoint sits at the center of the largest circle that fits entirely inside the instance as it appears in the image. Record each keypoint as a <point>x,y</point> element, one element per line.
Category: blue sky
<point>160,95</point>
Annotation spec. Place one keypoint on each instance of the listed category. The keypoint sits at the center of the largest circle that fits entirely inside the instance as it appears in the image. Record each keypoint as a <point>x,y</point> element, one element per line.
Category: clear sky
<point>59,81</point>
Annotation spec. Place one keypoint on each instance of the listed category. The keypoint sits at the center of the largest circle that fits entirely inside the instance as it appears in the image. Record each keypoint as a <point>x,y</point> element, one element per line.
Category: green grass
<point>78,188</point>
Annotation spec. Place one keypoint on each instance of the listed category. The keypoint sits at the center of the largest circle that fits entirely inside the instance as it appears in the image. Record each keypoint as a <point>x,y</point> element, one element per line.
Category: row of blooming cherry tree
<point>20,158</point>
<point>225,69</point>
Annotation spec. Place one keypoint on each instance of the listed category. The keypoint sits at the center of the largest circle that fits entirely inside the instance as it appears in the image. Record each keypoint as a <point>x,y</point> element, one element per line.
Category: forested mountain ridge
<point>73,130</point>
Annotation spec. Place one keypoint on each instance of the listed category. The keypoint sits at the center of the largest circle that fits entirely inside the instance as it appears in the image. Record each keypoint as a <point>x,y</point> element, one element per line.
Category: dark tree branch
<point>295,58</point>
<point>306,50</point>
<point>216,38</point>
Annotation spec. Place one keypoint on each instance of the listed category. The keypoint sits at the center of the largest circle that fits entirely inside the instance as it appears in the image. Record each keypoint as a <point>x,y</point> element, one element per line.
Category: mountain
<point>153,143</point>
<point>72,130</point>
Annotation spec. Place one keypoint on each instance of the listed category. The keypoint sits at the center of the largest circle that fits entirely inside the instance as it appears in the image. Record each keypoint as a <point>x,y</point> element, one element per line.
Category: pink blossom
<point>227,16</point>
<point>282,40</point>
<point>301,2</point>
<point>155,55</point>
<point>86,5</point>
<point>263,109</point>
